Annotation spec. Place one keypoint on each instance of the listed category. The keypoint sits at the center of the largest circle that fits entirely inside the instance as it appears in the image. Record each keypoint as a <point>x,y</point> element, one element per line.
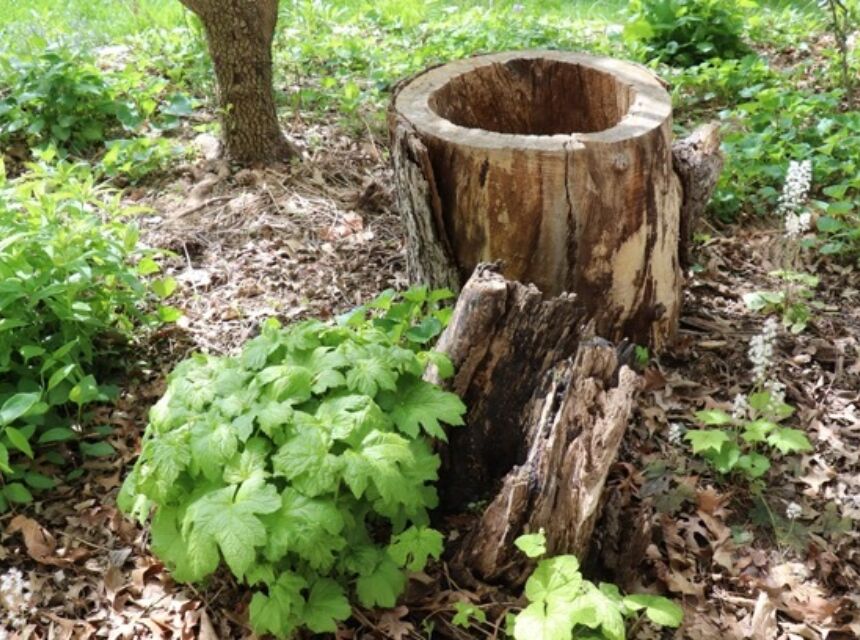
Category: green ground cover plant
<point>686,32</point>
<point>304,463</point>
<point>563,605</point>
<point>60,98</point>
<point>57,97</point>
<point>70,298</point>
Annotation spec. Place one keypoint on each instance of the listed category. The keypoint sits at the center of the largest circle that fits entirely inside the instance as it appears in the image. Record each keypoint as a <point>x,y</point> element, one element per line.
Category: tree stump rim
<point>649,107</point>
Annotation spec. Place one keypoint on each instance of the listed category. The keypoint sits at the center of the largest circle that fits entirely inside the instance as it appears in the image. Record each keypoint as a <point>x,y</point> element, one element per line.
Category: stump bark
<point>548,406</point>
<point>558,164</point>
<point>557,168</point>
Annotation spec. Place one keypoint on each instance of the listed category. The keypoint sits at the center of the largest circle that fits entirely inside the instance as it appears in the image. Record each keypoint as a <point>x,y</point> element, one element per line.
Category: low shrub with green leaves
<point>776,124</point>
<point>304,463</point>
<point>840,233</point>
<point>133,159</point>
<point>745,442</point>
<point>57,96</point>
<point>70,296</point>
<point>686,32</point>
<point>61,99</point>
<point>564,605</point>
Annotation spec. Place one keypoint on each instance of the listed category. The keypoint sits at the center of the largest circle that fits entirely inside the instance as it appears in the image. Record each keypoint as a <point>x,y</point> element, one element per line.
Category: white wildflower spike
<point>676,432</point>
<point>776,389</point>
<point>793,511</point>
<point>795,191</point>
<point>761,349</point>
<point>740,407</point>
<point>797,225</point>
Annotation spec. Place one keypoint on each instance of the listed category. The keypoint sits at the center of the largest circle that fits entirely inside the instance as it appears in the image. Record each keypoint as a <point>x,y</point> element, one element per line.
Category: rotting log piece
<point>573,427</point>
<point>502,338</point>
<point>548,406</point>
<point>698,162</point>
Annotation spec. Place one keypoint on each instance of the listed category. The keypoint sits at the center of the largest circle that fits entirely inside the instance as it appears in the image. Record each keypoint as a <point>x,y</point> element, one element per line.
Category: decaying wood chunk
<point>548,406</point>
<point>573,426</point>
<point>698,162</point>
<point>502,338</point>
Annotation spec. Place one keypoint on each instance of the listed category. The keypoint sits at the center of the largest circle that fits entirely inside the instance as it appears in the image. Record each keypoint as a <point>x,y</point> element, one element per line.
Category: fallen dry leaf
<point>763,624</point>
<point>39,543</point>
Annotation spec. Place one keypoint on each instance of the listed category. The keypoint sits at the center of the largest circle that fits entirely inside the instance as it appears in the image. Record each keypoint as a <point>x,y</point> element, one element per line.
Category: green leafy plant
<point>686,32</point>
<point>839,227</point>
<point>564,605</point>
<point>56,97</point>
<point>779,122</point>
<point>744,443</point>
<point>304,464</point>
<point>794,303</point>
<point>134,159</point>
<point>60,98</point>
<point>467,615</point>
<point>69,299</point>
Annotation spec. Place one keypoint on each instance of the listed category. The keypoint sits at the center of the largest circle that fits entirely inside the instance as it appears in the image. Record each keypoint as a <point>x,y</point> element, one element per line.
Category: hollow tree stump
<point>557,164</point>
<point>558,167</point>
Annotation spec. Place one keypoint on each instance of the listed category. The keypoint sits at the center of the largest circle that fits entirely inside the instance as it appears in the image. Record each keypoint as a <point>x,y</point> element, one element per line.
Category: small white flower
<point>517,8</point>
<point>740,407</point>
<point>797,225</point>
<point>795,190</point>
<point>793,511</point>
<point>676,432</point>
<point>761,349</point>
<point>776,389</point>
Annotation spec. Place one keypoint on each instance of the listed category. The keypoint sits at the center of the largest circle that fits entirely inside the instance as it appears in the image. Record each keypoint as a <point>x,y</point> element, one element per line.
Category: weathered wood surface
<point>557,164</point>
<point>698,161</point>
<point>558,169</point>
<point>502,337</point>
<point>573,428</point>
<point>429,261</point>
<point>548,406</point>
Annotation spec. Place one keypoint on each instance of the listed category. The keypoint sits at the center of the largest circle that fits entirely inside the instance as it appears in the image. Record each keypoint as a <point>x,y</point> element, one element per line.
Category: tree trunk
<point>240,33</point>
<point>557,164</point>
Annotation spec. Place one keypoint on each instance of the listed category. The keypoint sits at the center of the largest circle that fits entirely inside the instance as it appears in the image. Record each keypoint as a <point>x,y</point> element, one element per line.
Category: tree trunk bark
<point>557,164</point>
<point>240,34</point>
<point>698,162</point>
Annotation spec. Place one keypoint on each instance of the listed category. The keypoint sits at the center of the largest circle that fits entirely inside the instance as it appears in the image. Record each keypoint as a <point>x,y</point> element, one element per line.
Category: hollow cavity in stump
<point>557,164</point>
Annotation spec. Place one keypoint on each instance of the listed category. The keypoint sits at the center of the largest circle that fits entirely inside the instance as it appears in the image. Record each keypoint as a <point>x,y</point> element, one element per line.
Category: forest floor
<point>315,239</point>
<point>320,236</point>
